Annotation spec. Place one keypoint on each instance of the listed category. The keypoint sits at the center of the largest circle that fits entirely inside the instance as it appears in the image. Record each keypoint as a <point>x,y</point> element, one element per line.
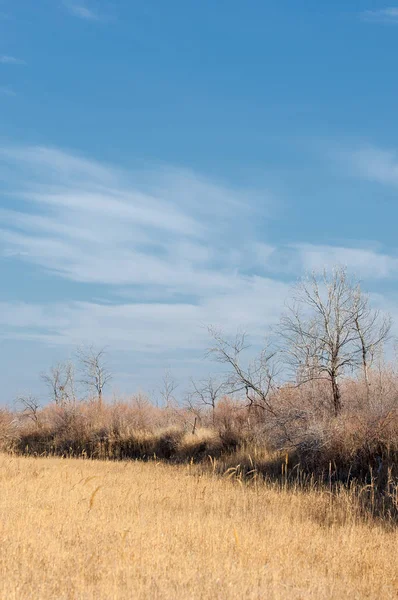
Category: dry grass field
<point>79,529</point>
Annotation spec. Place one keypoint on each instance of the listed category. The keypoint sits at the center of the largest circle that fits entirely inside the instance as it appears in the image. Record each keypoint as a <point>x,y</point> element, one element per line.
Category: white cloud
<point>97,224</point>
<point>82,12</point>
<point>58,165</point>
<point>362,262</point>
<point>366,161</point>
<point>374,164</point>
<point>385,15</point>
<point>172,246</point>
<point>172,251</point>
<point>154,328</point>
<point>11,60</point>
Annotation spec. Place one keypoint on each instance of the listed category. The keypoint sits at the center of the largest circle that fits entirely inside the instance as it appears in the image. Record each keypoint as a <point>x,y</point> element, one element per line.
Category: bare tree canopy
<point>95,373</point>
<point>60,382</point>
<point>257,380</point>
<point>329,329</point>
<point>167,389</point>
<point>206,393</point>
<point>373,329</point>
<point>30,408</point>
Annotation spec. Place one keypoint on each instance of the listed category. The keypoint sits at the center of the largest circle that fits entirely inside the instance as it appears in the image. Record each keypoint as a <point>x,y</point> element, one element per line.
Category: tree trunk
<point>366,374</point>
<point>364,360</point>
<point>336,395</point>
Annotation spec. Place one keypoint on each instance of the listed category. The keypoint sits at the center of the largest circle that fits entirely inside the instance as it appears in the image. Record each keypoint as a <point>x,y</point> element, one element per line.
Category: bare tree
<point>301,343</point>
<point>330,329</point>
<point>168,387</point>
<point>95,373</point>
<point>60,381</point>
<point>194,408</point>
<point>373,329</point>
<point>206,393</point>
<point>258,379</point>
<point>30,408</point>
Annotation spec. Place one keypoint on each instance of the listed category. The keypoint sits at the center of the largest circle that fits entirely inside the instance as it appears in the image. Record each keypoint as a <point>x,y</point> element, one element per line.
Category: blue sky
<point>169,165</point>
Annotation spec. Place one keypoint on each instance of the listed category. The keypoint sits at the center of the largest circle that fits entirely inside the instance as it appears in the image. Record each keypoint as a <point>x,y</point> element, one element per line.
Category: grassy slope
<point>106,530</point>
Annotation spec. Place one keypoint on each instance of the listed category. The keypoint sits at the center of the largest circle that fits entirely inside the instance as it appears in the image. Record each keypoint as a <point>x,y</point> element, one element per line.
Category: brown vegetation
<point>318,405</point>
<point>277,479</point>
<point>300,445</point>
<point>99,530</point>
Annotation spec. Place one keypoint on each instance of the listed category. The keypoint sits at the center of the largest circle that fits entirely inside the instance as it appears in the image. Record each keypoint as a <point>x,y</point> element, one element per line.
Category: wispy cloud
<point>168,238</point>
<point>82,12</point>
<point>385,15</point>
<point>104,225</point>
<point>363,262</point>
<point>296,258</point>
<point>170,249</point>
<point>11,60</point>
<point>154,328</point>
<point>373,164</point>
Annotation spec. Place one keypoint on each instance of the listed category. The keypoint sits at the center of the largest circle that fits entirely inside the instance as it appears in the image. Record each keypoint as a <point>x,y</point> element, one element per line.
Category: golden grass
<point>74,529</point>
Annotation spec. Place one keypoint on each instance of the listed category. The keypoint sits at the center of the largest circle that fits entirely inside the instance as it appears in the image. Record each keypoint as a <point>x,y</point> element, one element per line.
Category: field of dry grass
<point>79,529</point>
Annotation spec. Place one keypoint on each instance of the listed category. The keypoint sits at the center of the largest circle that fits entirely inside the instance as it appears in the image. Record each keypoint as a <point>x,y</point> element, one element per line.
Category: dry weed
<point>79,529</point>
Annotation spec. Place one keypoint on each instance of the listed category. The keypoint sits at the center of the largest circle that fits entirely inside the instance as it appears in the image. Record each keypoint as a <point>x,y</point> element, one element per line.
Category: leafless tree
<point>257,380</point>
<point>95,372</point>
<point>30,408</point>
<point>330,329</point>
<point>167,389</point>
<point>60,381</point>
<point>193,408</point>
<point>373,329</point>
<point>206,393</point>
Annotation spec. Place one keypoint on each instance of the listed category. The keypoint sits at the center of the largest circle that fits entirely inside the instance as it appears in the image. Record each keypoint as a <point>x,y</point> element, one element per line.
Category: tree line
<point>328,329</point>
